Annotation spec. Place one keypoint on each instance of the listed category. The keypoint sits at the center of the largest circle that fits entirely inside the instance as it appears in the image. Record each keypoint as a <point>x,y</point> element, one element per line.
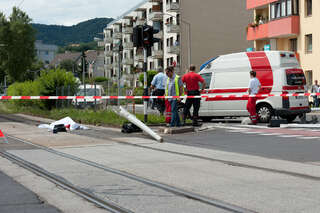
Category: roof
<point>91,56</point>
<point>127,13</point>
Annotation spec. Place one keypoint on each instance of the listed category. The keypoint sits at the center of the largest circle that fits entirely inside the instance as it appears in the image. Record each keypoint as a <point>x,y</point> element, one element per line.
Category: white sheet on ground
<point>301,125</point>
<point>65,121</point>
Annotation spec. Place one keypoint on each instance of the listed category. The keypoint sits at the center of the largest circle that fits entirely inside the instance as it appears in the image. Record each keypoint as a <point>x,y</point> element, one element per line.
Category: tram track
<point>110,205</point>
<point>226,162</point>
<point>97,133</point>
<point>107,205</point>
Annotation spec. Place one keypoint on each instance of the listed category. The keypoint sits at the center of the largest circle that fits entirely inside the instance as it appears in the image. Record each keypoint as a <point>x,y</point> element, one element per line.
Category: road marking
<point>271,134</point>
<point>290,136</point>
<point>309,138</point>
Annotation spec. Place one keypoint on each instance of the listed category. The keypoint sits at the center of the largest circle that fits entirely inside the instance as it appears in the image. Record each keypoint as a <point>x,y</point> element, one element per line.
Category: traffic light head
<point>138,36</point>
<point>148,39</point>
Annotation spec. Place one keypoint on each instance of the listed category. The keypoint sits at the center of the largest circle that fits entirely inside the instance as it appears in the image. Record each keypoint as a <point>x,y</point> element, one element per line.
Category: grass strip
<point>88,116</point>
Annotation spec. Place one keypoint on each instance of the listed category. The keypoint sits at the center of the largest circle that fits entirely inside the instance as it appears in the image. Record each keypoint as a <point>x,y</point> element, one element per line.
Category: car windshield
<point>89,92</point>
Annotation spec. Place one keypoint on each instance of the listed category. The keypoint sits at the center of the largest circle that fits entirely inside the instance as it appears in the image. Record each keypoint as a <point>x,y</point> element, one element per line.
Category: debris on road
<point>67,122</point>
<point>124,113</point>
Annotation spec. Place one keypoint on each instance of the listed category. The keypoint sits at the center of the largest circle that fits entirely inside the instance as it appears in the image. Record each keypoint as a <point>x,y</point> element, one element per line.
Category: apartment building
<point>288,25</point>
<point>190,32</point>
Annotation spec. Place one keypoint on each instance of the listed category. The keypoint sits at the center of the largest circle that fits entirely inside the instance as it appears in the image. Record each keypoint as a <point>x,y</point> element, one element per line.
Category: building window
<point>278,10</point>
<point>272,15</point>
<point>289,7</point>
<point>284,8</point>
<point>309,79</point>
<point>308,4</point>
<point>309,43</point>
<point>294,45</point>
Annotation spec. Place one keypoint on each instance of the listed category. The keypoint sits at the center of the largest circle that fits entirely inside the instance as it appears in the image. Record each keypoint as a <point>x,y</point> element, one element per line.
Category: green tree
<point>17,37</point>
<point>150,75</point>
<point>68,65</point>
<point>4,29</point>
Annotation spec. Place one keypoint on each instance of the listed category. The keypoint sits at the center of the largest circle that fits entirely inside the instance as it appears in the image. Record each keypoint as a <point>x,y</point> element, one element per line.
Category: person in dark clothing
<point>158,85</point>
<point>192,80</point>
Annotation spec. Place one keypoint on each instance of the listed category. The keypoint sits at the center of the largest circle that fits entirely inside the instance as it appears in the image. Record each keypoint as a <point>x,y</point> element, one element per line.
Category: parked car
<point>90,90</point>
<point>279,72</point>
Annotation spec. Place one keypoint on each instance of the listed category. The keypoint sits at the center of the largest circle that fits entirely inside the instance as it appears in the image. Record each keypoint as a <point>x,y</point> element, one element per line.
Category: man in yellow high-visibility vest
<point>174,87</point>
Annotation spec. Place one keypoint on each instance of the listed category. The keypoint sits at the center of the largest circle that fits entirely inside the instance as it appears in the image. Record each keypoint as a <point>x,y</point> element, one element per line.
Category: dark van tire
<point>290,118</point>
<point>264,112</point>
<point>206,119</point>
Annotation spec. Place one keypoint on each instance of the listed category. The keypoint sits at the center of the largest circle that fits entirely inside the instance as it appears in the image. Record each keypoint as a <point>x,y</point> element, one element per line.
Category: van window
<point>207,77</point>
<point>295,77</point>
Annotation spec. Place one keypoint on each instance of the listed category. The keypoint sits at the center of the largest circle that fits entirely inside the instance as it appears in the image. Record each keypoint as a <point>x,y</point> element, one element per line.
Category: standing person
<point>174,87</point>
<point>158,84</point>
<point>315,89</point>
<point>254,87</point>
<point>192,80</point>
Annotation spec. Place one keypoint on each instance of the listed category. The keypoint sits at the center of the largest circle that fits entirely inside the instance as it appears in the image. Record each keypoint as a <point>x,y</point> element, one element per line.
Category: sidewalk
<point>16,198</point>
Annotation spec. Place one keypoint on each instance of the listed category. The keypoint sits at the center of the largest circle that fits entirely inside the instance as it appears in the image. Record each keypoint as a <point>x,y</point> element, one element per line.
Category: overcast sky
<point>68,12</point>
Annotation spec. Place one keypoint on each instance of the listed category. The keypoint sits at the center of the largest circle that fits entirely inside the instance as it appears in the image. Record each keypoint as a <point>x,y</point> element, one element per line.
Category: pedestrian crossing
<point>289,133</point>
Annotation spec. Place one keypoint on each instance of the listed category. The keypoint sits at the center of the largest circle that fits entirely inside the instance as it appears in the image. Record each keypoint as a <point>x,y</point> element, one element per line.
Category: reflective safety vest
<point>176,83</point>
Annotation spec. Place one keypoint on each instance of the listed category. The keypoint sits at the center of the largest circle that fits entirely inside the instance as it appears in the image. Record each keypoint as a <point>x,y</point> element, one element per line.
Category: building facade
<point>190,32</point>
<point>288,25</point>
<point>45,52</point>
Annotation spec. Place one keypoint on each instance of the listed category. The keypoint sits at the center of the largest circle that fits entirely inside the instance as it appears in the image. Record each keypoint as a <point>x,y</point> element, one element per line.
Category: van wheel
<point>264,112</point>
<point>206,119</point>
<point>290,118</point>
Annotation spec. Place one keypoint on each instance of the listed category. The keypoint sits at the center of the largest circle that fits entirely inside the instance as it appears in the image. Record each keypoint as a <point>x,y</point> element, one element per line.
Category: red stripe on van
<point>293,87</point>
<point>263,90</point>
<point>299,108</point>
<point>215,91</point>
<point>260,63</point>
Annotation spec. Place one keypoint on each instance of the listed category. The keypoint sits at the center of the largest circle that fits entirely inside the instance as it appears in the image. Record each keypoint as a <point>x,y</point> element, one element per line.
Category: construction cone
<point>3,137</point>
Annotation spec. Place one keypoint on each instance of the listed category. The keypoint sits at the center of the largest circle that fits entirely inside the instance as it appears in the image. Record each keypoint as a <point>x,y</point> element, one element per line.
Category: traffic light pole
<point>84,75</point>
<point>145,84</point>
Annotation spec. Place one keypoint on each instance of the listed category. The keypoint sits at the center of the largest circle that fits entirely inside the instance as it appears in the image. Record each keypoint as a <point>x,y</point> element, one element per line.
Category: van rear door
<point>295,83</point>
<point>204,109</point>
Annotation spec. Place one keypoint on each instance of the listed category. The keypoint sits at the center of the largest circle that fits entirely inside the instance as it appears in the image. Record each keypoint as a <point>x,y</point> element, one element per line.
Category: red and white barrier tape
<point>153,97</point>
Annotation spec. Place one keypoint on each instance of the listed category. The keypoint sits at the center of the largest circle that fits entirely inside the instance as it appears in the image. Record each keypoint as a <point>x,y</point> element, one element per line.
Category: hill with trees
<point>83,32</point>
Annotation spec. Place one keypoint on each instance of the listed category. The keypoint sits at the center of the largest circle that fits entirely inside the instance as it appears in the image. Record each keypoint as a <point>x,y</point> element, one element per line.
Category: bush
<point>100,79</point>
<point>53,79</point>
<point>28,88</point>
<point>45,85</point>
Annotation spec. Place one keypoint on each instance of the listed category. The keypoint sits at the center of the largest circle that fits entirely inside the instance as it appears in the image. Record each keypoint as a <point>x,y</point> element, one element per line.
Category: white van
<point>279,72</point>
<point>90,90</point>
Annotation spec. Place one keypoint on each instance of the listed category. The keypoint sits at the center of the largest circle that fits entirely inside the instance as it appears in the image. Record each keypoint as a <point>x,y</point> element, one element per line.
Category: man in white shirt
<point>254,87</point>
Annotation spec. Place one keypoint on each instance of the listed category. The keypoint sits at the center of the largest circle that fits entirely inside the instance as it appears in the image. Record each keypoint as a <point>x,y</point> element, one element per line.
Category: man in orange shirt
<point>192,80</point>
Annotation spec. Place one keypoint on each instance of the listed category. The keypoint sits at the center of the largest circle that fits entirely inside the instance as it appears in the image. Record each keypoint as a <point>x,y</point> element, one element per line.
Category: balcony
<point>174,50</point>
<point>173,7</point>
<point>128,45</point>
<point>159,35</point>
<point>108,40</point>
<point>127,61</point>
<point>283,27</point>
<point>139,58</point>
<point>109,66</point>
<point>127,30</point>
<point>173,28</point>
<point>156,14</point>
<point>251,4</point>
<point>108,53</point>
<point>157,54</point>
<point>140,21</point>
<point>117,35</point>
